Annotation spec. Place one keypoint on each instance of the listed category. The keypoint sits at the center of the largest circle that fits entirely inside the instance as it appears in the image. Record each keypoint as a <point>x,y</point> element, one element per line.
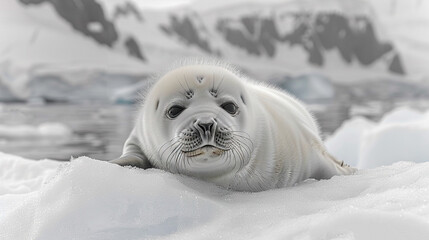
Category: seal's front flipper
<point>132,154</point>
<point>132,160</point>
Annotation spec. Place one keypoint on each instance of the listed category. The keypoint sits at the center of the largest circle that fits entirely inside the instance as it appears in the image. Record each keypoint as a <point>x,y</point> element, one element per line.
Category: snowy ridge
<point>347,41</point>
<point>90,199</point>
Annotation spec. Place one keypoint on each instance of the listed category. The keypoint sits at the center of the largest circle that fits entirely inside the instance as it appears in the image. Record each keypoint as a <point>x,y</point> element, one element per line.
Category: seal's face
<point>202,118</point>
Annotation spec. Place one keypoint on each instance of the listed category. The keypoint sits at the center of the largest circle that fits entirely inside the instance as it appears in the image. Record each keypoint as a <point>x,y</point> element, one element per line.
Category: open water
<point>99,131</point>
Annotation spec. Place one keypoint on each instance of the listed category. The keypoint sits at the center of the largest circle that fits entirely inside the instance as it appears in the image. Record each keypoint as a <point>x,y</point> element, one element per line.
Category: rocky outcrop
<point>127,9</point>
<point>133,48</point>
<point>353,37</point>
<point>257,43</point>
<point>186,30</point>
<point>396,65</point>
<point>86,16</point>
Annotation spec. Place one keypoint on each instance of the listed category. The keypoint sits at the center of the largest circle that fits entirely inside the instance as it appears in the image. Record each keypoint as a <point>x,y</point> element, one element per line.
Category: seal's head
<point>198,121</point>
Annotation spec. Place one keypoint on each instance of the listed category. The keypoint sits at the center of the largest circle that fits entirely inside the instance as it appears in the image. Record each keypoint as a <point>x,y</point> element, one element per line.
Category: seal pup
<point>208,121</point>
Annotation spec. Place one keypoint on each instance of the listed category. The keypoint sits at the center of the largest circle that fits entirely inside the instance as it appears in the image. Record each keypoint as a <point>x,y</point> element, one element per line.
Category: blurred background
<point>71,70</point>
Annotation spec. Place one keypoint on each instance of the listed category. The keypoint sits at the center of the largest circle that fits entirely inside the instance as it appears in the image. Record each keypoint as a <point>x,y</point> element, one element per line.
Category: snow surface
<point>401,135</point>
<point>90,199</point>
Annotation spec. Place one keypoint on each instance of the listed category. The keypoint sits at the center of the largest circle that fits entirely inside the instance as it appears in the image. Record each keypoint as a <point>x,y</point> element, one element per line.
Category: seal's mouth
<point>206,149</point>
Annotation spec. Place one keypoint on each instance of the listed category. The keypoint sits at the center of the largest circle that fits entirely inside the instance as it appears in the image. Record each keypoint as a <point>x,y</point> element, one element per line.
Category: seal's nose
<point>206,126</point>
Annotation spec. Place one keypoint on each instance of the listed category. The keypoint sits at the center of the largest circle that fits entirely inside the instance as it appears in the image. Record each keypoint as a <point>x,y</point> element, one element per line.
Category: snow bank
<point>19,175</point>
<point>401,135</point>
<point>89,199</point>
<point>51,130</point>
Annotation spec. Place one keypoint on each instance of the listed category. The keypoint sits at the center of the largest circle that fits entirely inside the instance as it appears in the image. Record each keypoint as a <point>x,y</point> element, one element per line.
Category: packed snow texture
<point>90,199</point>
<point>401,135</point>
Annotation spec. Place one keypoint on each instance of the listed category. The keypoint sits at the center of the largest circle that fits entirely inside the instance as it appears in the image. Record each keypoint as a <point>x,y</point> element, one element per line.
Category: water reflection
<point>99,131</point>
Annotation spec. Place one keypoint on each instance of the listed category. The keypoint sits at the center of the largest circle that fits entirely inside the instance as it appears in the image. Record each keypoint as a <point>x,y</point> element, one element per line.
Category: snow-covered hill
<point>346,40</point>
<point>70,42</point>
<point>41,55</point>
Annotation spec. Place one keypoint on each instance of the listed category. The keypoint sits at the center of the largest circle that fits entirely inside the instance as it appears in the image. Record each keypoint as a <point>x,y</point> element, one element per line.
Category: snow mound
<point>89,199</point>
<point>96,200</point>
<point>19,175</point>
<point>401,135</point>
<point>44,130</point>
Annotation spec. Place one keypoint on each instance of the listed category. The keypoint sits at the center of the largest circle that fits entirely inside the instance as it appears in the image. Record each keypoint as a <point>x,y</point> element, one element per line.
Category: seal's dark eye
<point>230,107</point>
<point>175,111</point>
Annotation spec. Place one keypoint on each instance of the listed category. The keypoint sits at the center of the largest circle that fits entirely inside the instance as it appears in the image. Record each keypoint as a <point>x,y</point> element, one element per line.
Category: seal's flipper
<point>132,155</point>
<point>330,166</point>
<point>132,160</point>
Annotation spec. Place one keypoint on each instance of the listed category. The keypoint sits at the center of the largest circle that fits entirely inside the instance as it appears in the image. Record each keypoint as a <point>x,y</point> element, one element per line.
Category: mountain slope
<point>345,40</point>
<point>39,44</point>
<point>342,33</point>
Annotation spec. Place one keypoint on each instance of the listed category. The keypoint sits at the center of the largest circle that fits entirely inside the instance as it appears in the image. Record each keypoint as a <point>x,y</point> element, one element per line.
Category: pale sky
<point>161,3</point>
<point>151,3</point>
<point>398,7</point>
<point>172,3</point>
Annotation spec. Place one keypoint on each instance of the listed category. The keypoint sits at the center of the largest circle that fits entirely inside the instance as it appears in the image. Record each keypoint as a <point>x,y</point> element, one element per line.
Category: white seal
<point>208,121</point>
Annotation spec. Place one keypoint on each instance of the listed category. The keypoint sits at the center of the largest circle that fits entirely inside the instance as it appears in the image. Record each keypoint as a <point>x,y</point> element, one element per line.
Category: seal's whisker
<point>174,151</point>
<point>232,155</point>
<point>169,155</point>
<point>235,162</point>
<point>236,153</point>
<point>237,131</point>
<point>248,139</point>
<point>240,158</point>
<point>237,147</point>
<point>244,142</point>
<point>179,161</point>
<point>245,148</point>
<point>167,142</point>
<point>229,158</point>
<point>186,160</point>
<point>168,147</point>
<point>245,158</point>
<point>242,154</point>
<point>176,157</point>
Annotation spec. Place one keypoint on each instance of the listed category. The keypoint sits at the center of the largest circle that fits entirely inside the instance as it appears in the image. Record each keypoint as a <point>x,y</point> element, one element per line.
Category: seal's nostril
<point>206,127</point>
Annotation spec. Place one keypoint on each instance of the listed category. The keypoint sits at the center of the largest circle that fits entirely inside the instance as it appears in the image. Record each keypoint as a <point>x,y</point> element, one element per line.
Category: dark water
<point>99,131</point>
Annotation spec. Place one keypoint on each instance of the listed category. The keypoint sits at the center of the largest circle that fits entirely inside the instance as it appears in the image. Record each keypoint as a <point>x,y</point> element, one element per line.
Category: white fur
<point>285,144</point>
